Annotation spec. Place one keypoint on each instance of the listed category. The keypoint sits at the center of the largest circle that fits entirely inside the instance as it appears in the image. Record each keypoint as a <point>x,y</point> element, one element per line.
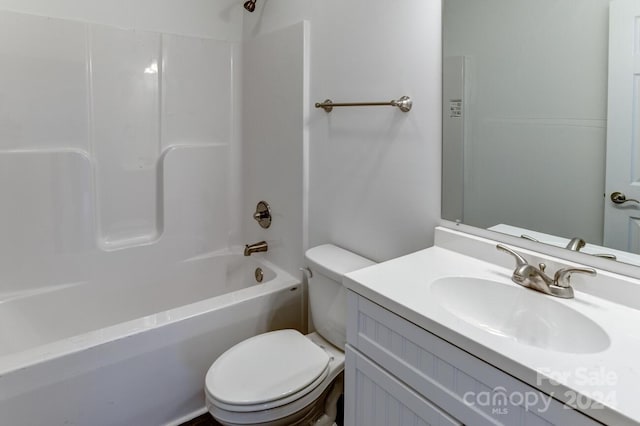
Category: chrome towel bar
<point>404,104</point>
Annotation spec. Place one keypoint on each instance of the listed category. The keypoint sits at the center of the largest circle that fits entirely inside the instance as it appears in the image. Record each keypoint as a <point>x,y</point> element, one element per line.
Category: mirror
<point>525,143</point>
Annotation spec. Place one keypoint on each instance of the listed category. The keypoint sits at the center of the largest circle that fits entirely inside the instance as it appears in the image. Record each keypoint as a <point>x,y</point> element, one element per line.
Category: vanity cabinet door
<point>375,398</point>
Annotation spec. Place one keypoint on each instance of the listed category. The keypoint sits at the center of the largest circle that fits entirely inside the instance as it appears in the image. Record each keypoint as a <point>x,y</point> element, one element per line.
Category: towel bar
<point>404,104</point>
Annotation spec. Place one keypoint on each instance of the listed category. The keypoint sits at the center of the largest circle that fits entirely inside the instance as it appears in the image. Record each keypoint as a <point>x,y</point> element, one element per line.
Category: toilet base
<point>321,412</point>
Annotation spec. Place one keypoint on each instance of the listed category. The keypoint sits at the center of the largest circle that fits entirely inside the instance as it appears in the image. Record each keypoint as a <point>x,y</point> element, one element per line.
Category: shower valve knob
<point>260,215</point>
<point>263,214</point>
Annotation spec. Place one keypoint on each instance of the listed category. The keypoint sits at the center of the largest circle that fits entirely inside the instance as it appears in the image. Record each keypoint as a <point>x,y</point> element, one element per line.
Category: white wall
<point>374,183</point>
<point>535,112</point>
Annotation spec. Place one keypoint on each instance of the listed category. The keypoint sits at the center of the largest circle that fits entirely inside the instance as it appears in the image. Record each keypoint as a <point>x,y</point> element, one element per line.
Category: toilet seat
<point>289,412</point>
<point>267,371</point>
<point>246,408</point>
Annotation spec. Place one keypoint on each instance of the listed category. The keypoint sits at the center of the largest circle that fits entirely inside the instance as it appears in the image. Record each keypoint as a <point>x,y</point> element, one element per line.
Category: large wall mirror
<point>540,121</point>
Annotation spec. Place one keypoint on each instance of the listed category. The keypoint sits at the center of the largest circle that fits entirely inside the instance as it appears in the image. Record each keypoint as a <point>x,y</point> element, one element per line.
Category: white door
<point>622,218</point>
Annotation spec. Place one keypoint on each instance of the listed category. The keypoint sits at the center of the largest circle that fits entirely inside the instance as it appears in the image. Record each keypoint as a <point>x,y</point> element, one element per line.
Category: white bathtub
<point>134,351</point>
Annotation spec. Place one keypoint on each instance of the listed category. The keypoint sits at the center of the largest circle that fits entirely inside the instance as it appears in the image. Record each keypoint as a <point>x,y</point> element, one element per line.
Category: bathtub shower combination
<point>121,280</point>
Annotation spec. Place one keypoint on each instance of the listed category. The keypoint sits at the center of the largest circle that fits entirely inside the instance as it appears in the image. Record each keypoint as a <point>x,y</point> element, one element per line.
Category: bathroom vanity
<point>442,336</point>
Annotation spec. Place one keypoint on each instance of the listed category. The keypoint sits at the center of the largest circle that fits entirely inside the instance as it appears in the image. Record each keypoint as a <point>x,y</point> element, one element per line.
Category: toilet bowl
<point>284,377</point>
<point>282,387</point>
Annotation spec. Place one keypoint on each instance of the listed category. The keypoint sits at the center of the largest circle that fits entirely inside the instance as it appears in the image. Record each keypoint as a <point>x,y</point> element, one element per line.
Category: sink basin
<point>519,314</point>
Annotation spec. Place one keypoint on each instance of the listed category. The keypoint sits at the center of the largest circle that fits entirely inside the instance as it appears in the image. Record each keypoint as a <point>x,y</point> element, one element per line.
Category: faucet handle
<point>520,261</point>
<point>563,276</point>
<point>606,256</point>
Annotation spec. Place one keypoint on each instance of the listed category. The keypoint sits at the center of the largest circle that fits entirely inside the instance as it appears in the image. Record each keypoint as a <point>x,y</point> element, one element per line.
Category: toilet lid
<point>266,368</point>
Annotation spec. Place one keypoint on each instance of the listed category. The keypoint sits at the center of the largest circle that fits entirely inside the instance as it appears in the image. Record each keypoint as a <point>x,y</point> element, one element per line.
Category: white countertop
<point>607,383</point>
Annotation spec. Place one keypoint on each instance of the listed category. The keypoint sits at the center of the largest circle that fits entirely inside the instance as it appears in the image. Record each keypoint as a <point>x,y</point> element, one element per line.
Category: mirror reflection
<point>539,121</point>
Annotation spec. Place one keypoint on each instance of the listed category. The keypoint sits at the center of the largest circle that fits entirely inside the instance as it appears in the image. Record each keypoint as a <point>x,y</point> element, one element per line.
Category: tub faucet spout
<point>249,249</point>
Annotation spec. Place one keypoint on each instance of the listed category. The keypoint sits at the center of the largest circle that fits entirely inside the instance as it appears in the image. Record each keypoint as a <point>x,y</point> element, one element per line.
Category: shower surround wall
<point>111,139</point>
<point>275,139</point>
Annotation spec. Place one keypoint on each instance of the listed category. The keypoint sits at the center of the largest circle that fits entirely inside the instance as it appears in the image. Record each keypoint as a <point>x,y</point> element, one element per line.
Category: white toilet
<point>284,377</point>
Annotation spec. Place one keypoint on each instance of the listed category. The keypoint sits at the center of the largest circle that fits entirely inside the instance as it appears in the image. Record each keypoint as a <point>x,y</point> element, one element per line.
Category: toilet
<point>284,377</point>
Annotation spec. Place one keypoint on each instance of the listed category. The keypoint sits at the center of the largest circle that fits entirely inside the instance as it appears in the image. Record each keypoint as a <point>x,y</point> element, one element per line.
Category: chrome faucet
<point>577,243</point>
<point>535,278</point>
<point>249,249</point>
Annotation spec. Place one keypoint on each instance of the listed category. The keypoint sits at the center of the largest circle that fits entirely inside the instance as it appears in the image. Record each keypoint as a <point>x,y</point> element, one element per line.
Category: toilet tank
<point>327,296</point>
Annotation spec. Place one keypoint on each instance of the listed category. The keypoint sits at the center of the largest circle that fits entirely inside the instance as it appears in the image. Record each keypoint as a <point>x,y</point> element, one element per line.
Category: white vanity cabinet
<point>400,374</point>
